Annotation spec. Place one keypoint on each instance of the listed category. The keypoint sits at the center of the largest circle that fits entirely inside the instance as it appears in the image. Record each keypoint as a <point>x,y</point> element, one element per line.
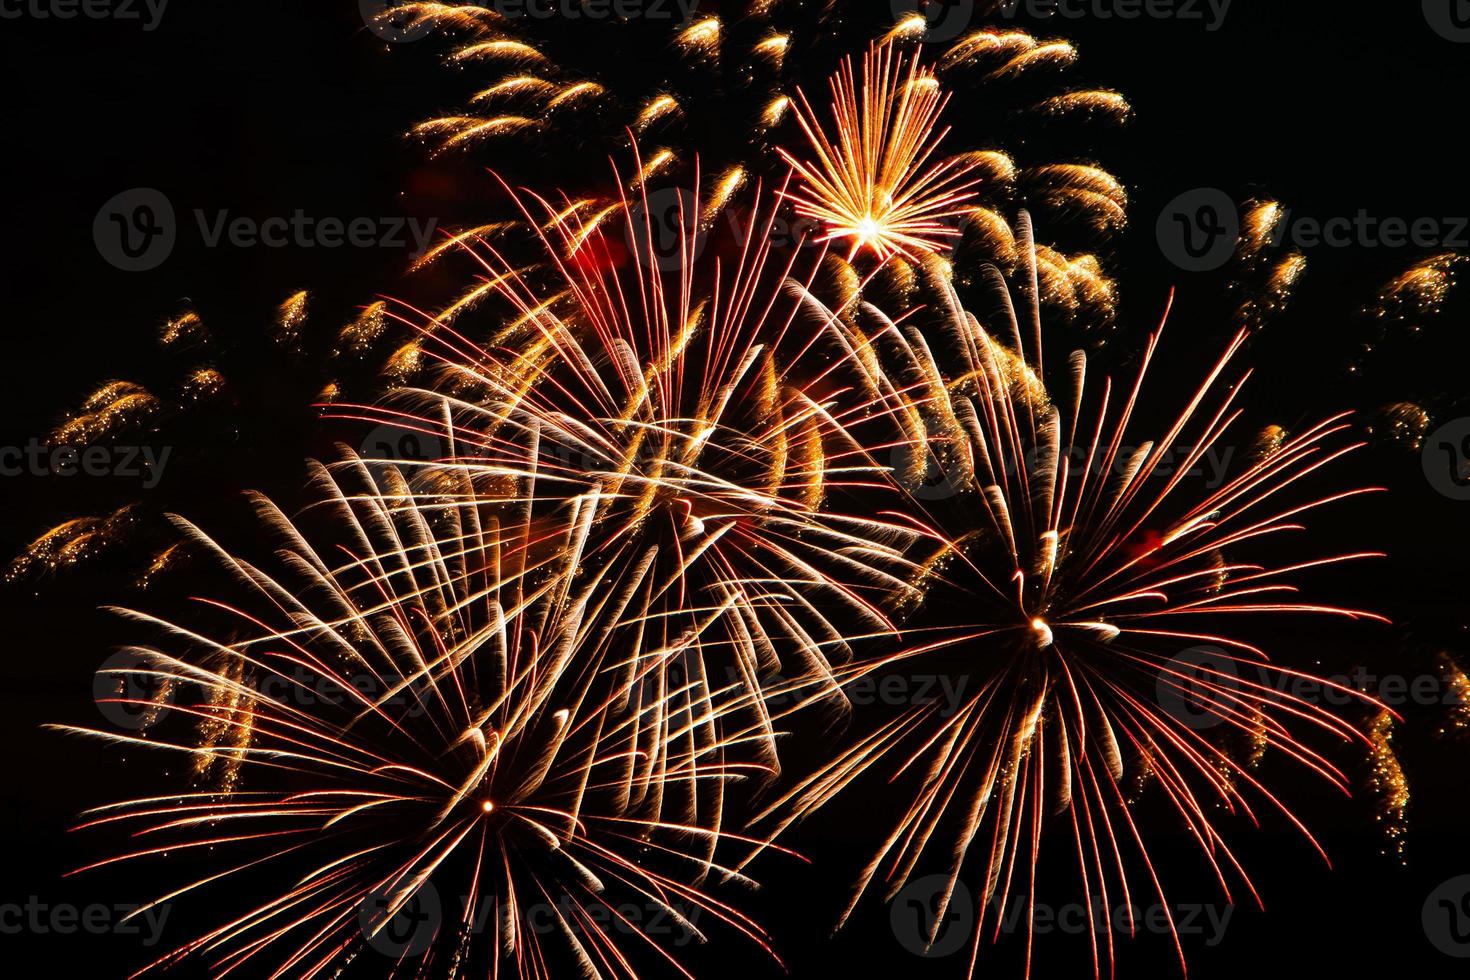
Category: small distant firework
<point>1401,424</point>
<point>1389,785</point>
<point>1457,697</point>
<point>1111,105</point>
<point>1418,294</point>
<point>1084,192</point>
<point>115,407</point>
<point>872,181</point>
<point>186,329</point>
<point>290,319</point>
<point>358,338</point>
<point>1271,299</point>
<point>418,710</point>
<point>72,542</point>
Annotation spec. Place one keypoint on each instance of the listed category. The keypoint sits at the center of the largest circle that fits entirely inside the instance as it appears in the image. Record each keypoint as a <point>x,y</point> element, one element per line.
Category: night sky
<point>263,108</point>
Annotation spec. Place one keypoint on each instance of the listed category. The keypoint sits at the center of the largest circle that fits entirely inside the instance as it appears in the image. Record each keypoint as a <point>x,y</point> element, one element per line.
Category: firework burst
<point>1102,605</point>
<point>872,183</point>
<point>418,712</point>
<point>711,406</point>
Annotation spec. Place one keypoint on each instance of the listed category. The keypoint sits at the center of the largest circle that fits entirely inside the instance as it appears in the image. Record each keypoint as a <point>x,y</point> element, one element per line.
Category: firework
<point>711,406</point>
<point>72,542</point>
<point>115,407</point>
<point>1102,604</point>
<point>186,329</point>
<point>1389,786</point>
<point>681,478</point>
<point>414,712</point>
<point>871,183</point>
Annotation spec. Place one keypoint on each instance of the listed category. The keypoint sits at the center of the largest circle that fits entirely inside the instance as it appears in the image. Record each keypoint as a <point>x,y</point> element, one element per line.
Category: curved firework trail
<point>1101,603</point>
<point>709,405</point>
<point>424,709</point>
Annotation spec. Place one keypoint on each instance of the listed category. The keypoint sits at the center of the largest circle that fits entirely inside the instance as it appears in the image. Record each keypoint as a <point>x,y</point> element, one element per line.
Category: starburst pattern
<point>426,709</point>
<point>711,405</point>
<point>872,181</point>
<point>1101,603</point>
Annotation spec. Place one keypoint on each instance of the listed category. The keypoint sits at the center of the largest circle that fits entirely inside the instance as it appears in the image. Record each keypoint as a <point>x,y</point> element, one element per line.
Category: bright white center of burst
<point>1043,632</point>
<point>869,230</point>
<point>487,806</point>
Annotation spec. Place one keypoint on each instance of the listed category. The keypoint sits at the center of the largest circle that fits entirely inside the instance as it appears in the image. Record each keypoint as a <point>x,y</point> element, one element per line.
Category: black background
<point>268,106</point>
